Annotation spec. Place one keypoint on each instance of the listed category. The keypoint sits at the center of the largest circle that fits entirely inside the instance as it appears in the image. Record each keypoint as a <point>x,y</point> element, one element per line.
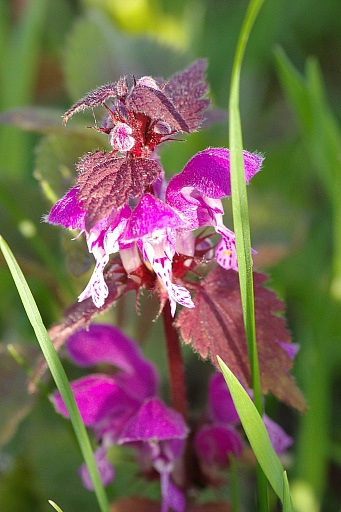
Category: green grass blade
<point>242,225</point>
<point>255,432</point>
<point>55,506</point>
<point>57,372</point>
<point>240,203</point>
<point>287,507</point>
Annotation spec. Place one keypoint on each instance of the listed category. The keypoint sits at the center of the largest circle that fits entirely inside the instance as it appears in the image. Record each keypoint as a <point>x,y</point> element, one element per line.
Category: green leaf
<point>255,432</point>
<point>241,221</point>
<point>322,138</point>
<point>55,506</point>
<point>57,372</point>
<point>286,496</point>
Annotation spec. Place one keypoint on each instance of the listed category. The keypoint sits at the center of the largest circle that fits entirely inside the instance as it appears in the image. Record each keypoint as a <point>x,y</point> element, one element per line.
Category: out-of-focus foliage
<point>51,53</point>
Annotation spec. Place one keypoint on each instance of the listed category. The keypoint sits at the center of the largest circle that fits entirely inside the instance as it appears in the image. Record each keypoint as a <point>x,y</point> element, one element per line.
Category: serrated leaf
<point>255,431</point>
<point>106,181</point>
<point>56,158</point>
<point>215,327</point>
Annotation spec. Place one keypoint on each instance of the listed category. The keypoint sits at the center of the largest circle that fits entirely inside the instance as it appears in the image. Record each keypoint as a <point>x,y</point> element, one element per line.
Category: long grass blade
<point>57,372</point>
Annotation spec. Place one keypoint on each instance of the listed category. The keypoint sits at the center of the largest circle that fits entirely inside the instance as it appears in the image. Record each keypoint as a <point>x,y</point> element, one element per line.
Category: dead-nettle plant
<point>168,238</point>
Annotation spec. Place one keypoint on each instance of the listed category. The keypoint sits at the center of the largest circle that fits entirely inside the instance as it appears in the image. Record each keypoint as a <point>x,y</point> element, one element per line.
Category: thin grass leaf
<point>322,137</point>
<point>57,372</point>
<point>240,203</point>
<point>55,506</point>
<point>287,507</point>
<point>255,432</point>
<point>241,222</point>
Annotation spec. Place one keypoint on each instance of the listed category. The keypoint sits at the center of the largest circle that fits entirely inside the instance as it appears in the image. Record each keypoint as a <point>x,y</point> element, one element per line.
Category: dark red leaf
<point>106,182</point>
<point>185,91</point>
<point>154,103</point>
<point>215,327</point>
<point>98,97</point>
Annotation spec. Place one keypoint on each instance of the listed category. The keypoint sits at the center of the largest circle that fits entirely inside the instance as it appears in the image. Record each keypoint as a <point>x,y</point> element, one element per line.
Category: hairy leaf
<point>185,90</point>
<point>155,104</point>
<point>106,182</point>
<point>98,97</point>
<point>215,327</point>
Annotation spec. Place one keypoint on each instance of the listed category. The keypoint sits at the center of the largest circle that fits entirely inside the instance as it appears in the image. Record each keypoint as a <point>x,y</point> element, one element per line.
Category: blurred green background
<point>51,53</point>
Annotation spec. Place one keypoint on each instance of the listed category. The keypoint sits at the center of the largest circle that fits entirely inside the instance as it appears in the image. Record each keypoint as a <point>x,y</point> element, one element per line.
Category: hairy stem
<point>175,364</point>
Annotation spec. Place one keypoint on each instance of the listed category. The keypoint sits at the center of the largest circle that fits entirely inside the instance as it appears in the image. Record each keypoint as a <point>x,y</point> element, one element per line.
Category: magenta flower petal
<point>213,443</point>
<point>220,404</point>
<point>209,173</point>
<point>97,396</point>
<point>67,212</point>
<point>107,344</point>
<point>154,422</point>
<point>105,469</point>
<point>151,215</point>
<point>280,440</point>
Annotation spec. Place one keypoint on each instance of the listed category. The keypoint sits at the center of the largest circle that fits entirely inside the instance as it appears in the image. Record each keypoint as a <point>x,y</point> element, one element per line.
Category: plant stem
<point>175,364</point>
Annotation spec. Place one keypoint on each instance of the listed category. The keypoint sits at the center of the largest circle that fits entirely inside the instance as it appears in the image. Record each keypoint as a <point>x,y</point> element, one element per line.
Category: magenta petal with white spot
<point>208,172</point>
<point>150,216</point>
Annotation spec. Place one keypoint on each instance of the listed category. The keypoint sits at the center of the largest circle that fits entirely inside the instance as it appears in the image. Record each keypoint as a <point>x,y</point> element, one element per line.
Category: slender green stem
<point>241,224</point>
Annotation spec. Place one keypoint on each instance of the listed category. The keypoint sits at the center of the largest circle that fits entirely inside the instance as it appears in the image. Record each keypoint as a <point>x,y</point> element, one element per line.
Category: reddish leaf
<point>215,327</point>
<point>98,97</point>
<point>185,90</point>
<point>106,182</point>
<point>155,104</point>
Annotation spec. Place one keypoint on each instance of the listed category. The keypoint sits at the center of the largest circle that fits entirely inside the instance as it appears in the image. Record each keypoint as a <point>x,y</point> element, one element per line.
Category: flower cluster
<point>121,200</point>
<point>161,225</point>
<point>124,409</point>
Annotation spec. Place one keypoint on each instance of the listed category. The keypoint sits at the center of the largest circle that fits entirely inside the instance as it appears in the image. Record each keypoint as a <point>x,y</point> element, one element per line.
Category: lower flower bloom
<point>124,409</point>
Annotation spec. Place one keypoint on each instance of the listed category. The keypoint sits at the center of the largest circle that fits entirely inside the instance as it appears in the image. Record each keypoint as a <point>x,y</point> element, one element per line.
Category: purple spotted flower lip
<point>124,409</point>
<point>161,227</point>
